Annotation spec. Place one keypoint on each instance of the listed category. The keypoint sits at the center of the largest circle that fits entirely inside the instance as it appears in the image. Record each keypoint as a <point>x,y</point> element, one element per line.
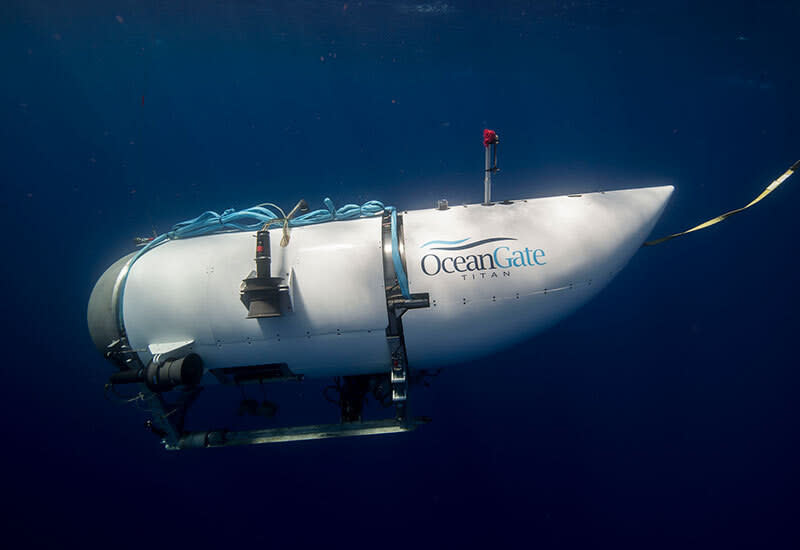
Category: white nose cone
<point>498,274</point>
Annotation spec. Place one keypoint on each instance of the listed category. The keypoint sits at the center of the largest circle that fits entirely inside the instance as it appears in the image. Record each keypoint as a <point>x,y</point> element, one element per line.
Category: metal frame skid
<point>169,384</point>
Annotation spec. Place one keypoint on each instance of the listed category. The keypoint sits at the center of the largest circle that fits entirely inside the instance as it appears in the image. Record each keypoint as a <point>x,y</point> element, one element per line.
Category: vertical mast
<point>490,141</point>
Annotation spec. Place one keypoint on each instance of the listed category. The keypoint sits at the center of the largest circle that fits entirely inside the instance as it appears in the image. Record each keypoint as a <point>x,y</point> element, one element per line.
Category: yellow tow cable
<point>770,188</point>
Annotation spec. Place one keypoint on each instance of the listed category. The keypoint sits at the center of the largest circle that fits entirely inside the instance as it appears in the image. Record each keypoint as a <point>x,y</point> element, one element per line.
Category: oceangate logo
<point>503,257</point>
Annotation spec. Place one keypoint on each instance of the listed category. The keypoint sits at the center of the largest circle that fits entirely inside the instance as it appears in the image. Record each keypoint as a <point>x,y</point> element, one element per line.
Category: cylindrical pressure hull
<point>495,275</point>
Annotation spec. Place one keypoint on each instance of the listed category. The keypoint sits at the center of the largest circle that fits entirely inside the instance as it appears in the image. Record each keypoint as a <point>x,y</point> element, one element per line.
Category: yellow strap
<point>770,188</point>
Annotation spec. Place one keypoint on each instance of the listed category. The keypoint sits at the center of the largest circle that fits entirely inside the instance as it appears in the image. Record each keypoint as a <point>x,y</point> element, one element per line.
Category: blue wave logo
<point>452,245</point>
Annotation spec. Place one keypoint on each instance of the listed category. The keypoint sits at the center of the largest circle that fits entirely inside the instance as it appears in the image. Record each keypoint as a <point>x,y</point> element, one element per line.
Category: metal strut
<point>225,438</point>
<point>396,306</point>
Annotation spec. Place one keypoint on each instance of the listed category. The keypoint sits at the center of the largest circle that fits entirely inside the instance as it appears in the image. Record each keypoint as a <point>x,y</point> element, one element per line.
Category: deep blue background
<point>663,414</point>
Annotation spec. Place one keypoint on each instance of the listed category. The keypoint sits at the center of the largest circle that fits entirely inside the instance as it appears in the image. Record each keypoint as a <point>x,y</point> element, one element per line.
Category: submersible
<point>368,294</point>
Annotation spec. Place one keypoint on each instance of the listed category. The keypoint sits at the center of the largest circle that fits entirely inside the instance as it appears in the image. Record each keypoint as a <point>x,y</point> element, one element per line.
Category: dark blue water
<point>662,414</point>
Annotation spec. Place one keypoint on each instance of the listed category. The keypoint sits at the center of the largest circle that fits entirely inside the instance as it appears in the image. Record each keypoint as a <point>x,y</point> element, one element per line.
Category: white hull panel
<point>189,290</point>
<point>564,250</point>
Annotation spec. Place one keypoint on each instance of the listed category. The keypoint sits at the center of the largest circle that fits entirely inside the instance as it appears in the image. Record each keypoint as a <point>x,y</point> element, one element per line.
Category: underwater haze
<point>663,414</point>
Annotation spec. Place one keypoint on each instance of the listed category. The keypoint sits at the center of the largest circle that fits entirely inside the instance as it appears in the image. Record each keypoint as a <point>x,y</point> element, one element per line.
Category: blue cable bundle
<point>254,218</point>
<point>346,212</point>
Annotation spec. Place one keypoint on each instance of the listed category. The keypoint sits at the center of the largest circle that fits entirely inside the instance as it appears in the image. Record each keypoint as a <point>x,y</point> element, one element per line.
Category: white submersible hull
<point>479,278</point>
